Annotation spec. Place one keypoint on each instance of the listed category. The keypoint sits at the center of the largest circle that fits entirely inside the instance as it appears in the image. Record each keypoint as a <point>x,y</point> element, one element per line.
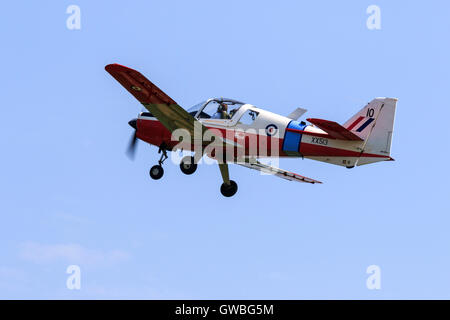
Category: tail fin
<point>375,125</point>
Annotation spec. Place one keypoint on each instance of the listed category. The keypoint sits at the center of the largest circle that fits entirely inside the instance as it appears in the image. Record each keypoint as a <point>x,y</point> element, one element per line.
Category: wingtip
<point>113,66</point>
<point>109,66</point>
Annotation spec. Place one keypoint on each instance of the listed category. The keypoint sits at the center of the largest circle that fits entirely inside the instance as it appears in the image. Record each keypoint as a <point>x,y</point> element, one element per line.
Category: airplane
<point>252,133</point>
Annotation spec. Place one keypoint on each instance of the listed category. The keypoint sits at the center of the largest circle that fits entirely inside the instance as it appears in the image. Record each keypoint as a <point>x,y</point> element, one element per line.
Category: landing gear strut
<point>157,171</point>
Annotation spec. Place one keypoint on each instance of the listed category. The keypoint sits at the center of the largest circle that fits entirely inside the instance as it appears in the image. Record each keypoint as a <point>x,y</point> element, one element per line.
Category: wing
<point>335,130</point>
<point>164,108</point>
<point>256,165</point>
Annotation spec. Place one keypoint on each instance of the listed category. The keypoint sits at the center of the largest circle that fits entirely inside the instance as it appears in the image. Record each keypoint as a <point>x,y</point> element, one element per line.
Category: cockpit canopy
<point>215,108</point>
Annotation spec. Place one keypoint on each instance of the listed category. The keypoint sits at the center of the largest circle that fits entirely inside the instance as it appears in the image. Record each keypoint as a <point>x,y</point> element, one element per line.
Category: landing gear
<point>228,190</point>
<point>228,187</point>
<point>157,171</point>
<point>188,165</point>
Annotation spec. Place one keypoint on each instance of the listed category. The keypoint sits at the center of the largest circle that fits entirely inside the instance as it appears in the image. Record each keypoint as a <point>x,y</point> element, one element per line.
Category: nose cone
<point>133,123</point>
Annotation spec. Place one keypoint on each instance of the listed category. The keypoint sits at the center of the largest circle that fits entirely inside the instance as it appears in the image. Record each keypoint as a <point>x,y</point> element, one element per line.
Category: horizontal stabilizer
<point>335,130</point>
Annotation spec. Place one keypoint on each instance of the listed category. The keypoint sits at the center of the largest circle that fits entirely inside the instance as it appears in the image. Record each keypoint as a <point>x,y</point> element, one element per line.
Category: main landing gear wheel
<point>187,165</point>
<point>228,190</point>
<point>156,172</point>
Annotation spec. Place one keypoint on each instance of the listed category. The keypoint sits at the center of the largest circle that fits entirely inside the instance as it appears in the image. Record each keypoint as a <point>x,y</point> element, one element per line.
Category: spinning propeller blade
<point>131,150</point>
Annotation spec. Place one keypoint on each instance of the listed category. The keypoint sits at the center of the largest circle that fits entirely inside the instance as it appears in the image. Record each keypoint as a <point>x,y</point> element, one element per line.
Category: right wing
<point>256,165</point>
<point>297,113</point>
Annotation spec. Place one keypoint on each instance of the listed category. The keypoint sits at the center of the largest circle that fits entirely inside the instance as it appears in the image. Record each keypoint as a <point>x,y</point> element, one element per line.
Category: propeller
<point>131,150</point>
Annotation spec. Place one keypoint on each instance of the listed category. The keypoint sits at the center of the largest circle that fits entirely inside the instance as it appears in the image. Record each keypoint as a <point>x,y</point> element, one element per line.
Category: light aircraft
<point>248,133</point>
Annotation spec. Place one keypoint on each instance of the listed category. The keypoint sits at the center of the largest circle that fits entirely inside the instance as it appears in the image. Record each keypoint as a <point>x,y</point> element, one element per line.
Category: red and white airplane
<point>230,131</point>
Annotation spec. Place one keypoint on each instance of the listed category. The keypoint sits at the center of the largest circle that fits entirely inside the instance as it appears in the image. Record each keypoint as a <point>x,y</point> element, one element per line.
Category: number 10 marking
<point>370,112</point>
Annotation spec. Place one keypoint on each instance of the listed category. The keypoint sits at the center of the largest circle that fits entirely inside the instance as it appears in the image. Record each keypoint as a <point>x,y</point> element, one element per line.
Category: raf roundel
<point>271,129</point>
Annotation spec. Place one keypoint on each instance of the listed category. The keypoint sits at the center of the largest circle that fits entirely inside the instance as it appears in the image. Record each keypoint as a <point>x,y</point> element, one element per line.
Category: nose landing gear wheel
<point>156,172</point>
<point>228,190</point>
<point>187,165</point>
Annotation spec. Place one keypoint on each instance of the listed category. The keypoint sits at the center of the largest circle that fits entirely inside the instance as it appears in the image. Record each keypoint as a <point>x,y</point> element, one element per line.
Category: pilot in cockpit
<point>222,112</point>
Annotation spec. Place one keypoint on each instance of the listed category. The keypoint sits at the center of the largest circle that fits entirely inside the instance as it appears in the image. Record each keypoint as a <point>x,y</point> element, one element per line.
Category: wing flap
<point>256,165</point>
<point>335,130</point>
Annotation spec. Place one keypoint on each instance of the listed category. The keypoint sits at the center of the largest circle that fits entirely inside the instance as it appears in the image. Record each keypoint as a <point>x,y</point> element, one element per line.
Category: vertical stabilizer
<point>375,125</point>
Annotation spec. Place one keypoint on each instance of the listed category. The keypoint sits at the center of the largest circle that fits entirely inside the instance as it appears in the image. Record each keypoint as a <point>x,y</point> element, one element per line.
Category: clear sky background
<point>69,195</point>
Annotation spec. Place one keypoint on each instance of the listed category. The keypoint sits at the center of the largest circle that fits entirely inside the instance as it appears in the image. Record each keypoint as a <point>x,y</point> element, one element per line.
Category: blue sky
<point>69,195</point>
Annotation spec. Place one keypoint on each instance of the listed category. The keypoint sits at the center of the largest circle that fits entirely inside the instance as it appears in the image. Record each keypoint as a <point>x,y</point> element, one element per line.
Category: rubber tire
<point>158,174</point>
<point>229,190</point>
<point>190,167</point>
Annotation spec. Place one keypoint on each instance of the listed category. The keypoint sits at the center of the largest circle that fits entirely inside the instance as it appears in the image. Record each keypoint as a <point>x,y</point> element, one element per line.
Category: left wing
<point>256,165</point>
<point>163,107</point>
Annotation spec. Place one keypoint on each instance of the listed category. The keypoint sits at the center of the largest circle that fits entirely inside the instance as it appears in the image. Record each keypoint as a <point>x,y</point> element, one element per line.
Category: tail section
<point>375,125</point>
